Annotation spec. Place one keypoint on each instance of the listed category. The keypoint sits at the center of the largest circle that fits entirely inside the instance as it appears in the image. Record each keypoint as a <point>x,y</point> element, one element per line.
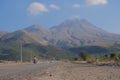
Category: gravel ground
<point>59,71</point>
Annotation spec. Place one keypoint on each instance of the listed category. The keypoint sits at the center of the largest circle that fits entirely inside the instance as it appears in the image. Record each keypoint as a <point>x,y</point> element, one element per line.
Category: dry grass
<point>2,62</point>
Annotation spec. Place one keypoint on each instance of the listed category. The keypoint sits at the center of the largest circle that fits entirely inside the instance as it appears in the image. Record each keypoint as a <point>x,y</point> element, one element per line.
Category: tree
<point>112,55</point>
<point>119,56</point>
<point>84,55</point>
<point>106,56</point>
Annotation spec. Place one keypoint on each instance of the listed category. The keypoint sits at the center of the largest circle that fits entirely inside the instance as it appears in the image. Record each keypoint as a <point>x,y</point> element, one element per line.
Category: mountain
<point>3,33</point>
<point>32,44</point>
<point>75,32</point>
<point>70,33</point>
<point>39,31</point>
<point>60,42</point>
<point>21,36</point>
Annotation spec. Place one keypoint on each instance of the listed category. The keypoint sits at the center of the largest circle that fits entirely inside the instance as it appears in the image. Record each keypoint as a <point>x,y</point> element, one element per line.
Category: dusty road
<point>58,71</point>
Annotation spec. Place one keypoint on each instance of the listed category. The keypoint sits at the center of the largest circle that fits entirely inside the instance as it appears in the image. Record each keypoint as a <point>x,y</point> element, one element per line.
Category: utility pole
<point>21,53</point>
<point>31,56</point>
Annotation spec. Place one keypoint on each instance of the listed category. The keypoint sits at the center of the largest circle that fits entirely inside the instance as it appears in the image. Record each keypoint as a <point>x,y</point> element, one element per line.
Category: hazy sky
<point>18,14</point>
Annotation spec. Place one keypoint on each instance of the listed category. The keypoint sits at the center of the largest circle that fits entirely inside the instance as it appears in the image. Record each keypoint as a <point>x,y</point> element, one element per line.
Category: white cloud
<point>54,6</point>
<point>36,8</point>
<point>96,2</point>
<point>76,5</point>
<point>75,17</point>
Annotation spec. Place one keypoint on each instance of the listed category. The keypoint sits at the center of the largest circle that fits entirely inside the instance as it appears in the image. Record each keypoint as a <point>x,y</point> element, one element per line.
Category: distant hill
<point>61,41</point>
<point>91,49</point>
<point>11,51</point>
<point>3,33</point>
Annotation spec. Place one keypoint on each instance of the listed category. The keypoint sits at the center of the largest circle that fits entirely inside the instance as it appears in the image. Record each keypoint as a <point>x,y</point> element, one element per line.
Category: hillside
<point>12,51</point>
<point>77,32</point>
<point>60,42</point>
<point>72,33</point>
<point>39,31</point>
<point>3,33</point>
<point>10,45</point>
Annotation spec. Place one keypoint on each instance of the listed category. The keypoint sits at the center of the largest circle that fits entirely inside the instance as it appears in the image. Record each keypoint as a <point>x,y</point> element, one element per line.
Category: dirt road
<point>58,71</point>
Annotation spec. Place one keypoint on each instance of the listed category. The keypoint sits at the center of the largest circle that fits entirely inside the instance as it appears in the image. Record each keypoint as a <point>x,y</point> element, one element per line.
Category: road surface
<point>58,71</point>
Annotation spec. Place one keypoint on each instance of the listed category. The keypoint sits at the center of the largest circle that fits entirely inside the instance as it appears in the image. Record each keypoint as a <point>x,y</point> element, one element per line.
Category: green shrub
<point>84,55</point>
<point>112,55</point>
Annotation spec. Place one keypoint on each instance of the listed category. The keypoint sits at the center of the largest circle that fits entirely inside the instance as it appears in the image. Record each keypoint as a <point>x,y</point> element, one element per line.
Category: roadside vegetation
<point>97,59</point>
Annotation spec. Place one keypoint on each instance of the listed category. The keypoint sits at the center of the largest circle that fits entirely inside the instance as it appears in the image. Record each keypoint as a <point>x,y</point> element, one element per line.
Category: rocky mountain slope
<point>3,33</point>
<point>70,33</point>
<point>45,42</point>
<point>80,33</point>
